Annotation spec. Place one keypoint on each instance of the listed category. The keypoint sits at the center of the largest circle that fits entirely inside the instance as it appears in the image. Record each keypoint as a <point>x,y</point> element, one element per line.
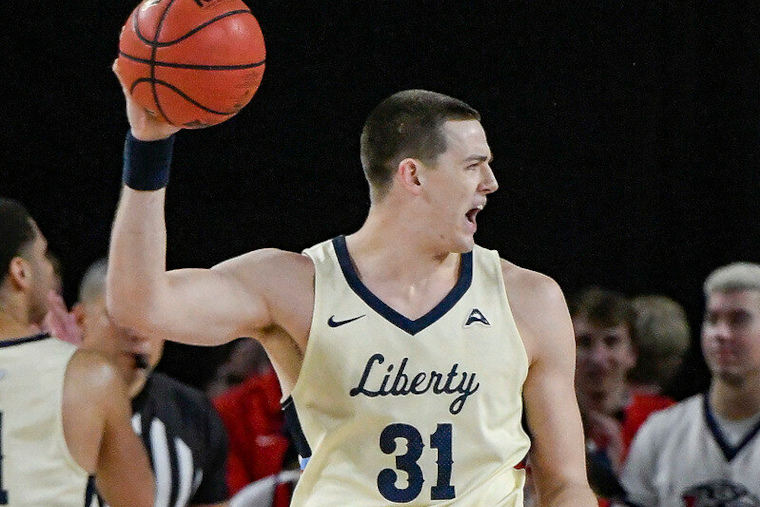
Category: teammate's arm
<point>557,451</point>
<point>193,305</point>
<point>99,434</point>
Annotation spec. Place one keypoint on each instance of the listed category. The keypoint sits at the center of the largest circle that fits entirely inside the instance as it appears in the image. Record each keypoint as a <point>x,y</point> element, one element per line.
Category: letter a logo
<point>476,317</point>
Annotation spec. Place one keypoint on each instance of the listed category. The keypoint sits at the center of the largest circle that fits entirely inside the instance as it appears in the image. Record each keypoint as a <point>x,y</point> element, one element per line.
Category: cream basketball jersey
<point>411,412</point>
<point>36,468</point>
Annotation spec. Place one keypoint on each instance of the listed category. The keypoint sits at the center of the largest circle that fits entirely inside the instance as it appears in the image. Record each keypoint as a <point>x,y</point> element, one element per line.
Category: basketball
<point>192,63</point>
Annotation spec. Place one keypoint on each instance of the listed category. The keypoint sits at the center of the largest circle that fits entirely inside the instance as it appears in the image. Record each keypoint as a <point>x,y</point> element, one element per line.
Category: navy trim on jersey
<point>405,324</point>
<point>25,339</point>
<point>293,426</point>
<point>91,498</point>
<point>729,452</point>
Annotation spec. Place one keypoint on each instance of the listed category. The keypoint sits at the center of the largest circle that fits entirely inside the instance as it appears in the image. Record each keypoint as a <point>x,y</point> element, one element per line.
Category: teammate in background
<point>180,429</point>
<point>64,413</point>
<point>706,449</point>
<point>404,349</point>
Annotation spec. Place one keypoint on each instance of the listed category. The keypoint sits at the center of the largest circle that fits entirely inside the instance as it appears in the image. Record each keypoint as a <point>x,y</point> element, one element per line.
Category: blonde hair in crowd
<point>735,276</point>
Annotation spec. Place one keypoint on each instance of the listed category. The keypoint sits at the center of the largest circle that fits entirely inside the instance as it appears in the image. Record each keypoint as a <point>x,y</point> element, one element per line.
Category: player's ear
<point>409,174</point>
<point>19,272</point>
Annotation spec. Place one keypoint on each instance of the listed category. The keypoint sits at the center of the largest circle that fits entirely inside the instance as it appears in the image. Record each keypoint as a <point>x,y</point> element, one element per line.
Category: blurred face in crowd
<point>731,335</point>
<point>136,356</point>
<point>604,357</point>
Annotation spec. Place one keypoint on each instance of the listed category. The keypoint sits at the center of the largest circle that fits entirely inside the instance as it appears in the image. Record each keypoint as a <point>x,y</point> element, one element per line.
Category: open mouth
<point>470,215</point>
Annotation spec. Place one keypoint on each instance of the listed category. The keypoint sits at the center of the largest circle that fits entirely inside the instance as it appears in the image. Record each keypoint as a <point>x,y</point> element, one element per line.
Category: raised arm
<point>557,450</point>
<point>203,306</point>
<point>99,434</point>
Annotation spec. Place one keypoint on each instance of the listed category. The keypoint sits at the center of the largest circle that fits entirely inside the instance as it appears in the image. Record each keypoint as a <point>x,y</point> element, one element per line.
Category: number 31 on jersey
<point>440,440</point>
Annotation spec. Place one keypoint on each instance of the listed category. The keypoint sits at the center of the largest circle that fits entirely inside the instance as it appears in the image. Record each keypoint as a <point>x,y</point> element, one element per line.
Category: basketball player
<point>404,349</point>
<point>706,449</point>
<point>64,414</point>
<point>180,429</point>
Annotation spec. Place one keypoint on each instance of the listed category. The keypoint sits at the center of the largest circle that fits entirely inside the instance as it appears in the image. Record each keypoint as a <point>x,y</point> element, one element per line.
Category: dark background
<point>626,134</point>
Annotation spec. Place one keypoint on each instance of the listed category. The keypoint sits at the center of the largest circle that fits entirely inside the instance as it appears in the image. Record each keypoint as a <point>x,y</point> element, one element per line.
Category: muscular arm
<point>557,452</point>
<point>198,306</point>
<point>237,298</point>
<point>96,421</point>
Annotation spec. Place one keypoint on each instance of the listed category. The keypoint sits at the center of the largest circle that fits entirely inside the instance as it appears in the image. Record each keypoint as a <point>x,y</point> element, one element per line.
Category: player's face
<point>134,355</point>
<point>42,277</point>
<point>731,335</point>
<point>604,357</point>
<point>458,183</point>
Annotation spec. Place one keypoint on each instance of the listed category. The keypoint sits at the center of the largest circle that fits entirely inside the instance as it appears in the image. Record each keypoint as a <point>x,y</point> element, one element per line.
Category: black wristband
<point>147,163</point>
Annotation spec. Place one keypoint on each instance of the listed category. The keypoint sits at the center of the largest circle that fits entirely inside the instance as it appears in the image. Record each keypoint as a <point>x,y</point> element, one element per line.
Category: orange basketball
<point>194,63</point>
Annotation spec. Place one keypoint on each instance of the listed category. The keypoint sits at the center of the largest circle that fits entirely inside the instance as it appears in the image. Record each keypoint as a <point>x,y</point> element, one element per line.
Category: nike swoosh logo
<point>337,323</point>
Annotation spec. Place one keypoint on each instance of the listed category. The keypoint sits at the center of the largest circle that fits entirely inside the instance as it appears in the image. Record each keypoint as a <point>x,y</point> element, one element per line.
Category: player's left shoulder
<point>539,309</point>
<point>531,289</point>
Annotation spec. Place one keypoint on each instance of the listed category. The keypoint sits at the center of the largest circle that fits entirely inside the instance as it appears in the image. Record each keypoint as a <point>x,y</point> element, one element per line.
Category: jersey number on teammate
<point>441,440</point>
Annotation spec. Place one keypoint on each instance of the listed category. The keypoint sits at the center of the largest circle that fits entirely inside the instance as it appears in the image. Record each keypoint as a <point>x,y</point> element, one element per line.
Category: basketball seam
<point>182,94</point>
<point>152,62</point>
<point>153,52</point>
<point>157,44</point>
<point>173,65</point>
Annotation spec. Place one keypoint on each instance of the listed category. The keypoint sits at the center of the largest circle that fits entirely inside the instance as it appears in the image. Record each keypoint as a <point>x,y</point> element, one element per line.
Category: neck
<point>13,325</point>
<point>403,270</point>
<point>387,254</point>
<point>393,237</point>
<point>735,400</point>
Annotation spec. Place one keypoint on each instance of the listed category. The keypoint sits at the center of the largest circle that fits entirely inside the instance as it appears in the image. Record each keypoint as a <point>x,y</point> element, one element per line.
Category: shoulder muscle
<point>539,308</point>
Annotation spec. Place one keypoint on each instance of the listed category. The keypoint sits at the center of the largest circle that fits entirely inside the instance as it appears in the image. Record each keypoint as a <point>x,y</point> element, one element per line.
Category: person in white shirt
<point>705,451</point>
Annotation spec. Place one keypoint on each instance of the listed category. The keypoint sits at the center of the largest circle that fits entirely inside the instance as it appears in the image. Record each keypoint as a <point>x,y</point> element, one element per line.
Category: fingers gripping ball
<point>193,63</point>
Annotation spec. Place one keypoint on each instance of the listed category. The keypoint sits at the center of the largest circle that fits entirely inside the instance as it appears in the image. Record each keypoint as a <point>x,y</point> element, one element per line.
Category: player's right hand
<point>144,125</point>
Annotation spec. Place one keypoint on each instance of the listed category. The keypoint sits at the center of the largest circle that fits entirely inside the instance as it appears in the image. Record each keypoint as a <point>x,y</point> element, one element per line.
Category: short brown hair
<point>605,307</point>
<point>407,124</point>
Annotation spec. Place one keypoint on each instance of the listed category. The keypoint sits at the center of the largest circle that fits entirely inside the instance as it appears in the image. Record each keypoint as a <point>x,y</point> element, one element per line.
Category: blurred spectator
<point>706,450</point>
<point>606,352</point>
<point>664,337</point>
<point>246,357</point>
<point>259,446</point>
<point>178,426</point>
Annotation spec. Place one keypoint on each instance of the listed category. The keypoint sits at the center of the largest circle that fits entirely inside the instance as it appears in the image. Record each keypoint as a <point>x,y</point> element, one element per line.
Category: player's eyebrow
<point>479,158</point>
